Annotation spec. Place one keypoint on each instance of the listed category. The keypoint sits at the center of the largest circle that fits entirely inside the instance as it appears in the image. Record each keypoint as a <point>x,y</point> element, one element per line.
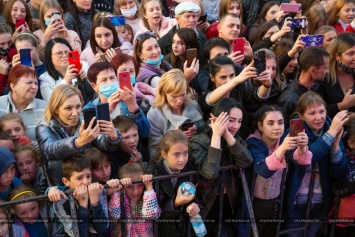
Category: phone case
<point>299,23</point>
<point>74,58</point>
<point>260,61</point>
<point>117,20</point>
<point>125,80</point>
<point>25,57</point>
<point>186,126</point>
<point>202,18</point>
<point>103,112</point>
<point>190,55</point>
<point>20,22</point>
<point>88,115</point>
<point>290,7</point>
<point>313,40</point>
<point>296,126</point>
<point>238,45</point>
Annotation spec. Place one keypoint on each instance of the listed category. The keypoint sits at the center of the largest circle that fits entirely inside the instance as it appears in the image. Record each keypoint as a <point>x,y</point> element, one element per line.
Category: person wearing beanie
<point>186,15</point>
<point>8,181</point>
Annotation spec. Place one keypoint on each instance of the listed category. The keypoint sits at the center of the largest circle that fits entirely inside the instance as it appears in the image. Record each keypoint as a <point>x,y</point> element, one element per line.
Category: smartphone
<point>117,20</point>
<point>20,22</point>
<point>88,115</point>
<point>103,57</point>
<point>118,50</point>
<point>290,7</point>
<point>103,112</point>
<point>202,18</point>
<point>260,61</point>
<point>298,23</point>
<point>313,40</point>
<point>25,57</point>
<point>238,45</point>
<point>185,126</point>
<point>296,126</point>
<point>125,80</point>
<point>190,55</point>
<point>74,58</point>
<point>56,15</point>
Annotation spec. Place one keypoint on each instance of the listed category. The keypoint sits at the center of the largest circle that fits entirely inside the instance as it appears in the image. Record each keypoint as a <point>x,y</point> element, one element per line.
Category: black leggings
<point>265,212</point>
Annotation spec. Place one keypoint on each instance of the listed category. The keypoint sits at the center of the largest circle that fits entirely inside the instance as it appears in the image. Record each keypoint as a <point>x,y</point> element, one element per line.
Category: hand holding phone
<point>313,40</point>
<point>298,23</point>
<point>296,127</point>
<point>124,79</point>
<point>238,45</point>
<point>117,20</point>
<point>290,7</point>
<point>89,114</point>
<point>25,57</point>
<point>260,61</point>
<point>190,55</point>
<point>20,22</point>
<point>74,59</point>
<point>103,112</point>
<point>203,18</point>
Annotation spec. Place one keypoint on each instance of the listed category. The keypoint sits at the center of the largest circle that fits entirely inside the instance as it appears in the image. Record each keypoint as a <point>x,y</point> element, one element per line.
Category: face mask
<point>4,51</point>
<point>129,13</point>
<point>344,68</point>
<point>47,21</point>
<point>133,79</point>
<point>108,89</point>
<point>154,62</point>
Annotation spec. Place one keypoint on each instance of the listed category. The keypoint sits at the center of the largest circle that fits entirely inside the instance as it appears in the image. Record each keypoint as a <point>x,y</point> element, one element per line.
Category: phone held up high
<point>103,112</point>
<point>20,22</point>
<point>296,126</point>
<point>313,40</point>
<point>190,55</point>
<point>88,115</point>
<point>260,61</point>
<point>238,45</point>
<point>74,58</point>
<point>25,57</point>
<point>124,79</point>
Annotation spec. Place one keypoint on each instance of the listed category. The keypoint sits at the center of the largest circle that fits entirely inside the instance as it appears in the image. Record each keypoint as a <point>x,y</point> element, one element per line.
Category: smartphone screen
<point>88,115</point>
<point>74,58</point>
<point>238,45</point>
<point>290,7</point>
<point>296,126</point>
<point>313,40</point>
<point>25,57</point>
<point>103,112</point>
<point>125,80</point>
<point>260,61</point>
<point>117,20</point>
<point>190,55</point>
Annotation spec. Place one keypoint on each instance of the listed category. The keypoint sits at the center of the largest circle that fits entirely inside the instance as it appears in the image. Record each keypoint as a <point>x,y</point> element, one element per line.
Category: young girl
<point>183,39</point>
<point>6,54</point>
<point>172,158</point>
<point>17,231</point>
<point>16,9</point>
<point>269,146</point>
<point>220,145</point>
<point>13,124</point>
<point>30,215</point>
<point>28,165</point>
<point>125,32</point>
<point>139,207</point>
<point>329,164</point>
<point>342,16</point>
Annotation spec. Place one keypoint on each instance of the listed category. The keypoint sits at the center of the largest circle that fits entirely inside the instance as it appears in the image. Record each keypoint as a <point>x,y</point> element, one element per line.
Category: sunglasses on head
<point>145,35</point>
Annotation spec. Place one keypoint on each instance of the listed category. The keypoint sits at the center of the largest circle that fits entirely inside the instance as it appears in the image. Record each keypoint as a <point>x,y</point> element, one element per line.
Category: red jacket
<point>340,29</point>
<point>3,78</point>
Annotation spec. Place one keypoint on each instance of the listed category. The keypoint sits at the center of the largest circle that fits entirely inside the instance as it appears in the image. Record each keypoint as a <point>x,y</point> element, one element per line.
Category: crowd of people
<point>197,97</point>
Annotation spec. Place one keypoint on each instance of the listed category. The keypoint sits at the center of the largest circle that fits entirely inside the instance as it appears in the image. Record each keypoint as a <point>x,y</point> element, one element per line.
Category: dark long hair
<point>48,56</point>
<point>103,22</point>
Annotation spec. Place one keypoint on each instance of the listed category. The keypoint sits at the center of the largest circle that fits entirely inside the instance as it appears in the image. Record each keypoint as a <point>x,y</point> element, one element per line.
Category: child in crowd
<point>17,231</point>
<point>13,125</point>
<point>138,203</point>
<point>172,158</point>
<point>125,32</point>
<point>8,181</point>
<point>77,176</point>
<point>28,165</point>
<point>131,149</point>
<point>6,141</point>
<point>30,215</point>
<point>269,146</point>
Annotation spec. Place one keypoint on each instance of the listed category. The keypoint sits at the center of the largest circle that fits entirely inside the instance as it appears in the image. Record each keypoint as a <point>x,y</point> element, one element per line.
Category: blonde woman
<point>52,25</point>
<point>173,108</point>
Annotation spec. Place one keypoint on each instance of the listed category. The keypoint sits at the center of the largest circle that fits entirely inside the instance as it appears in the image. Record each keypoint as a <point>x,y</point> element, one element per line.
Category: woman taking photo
<point>22,85</point>
<point>78,17</point>
<point>152,18</point>
<point>61,134</point>
<point>18,9</point>
<point>53,26</point>
<point>172,108</point>
<point>59,70</point>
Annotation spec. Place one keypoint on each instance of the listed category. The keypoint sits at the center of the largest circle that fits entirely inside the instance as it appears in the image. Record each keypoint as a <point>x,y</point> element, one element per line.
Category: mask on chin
<point>344,68</point>
<point>155,62</point>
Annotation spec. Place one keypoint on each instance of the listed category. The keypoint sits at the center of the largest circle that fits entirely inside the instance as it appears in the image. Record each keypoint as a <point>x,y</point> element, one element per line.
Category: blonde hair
<point>130,169</point>
<point>341,43</point>
<point>308,99</point>
<point>315,15</point>
<point>11,117</point>
<point>172,82</point>
<point>59,95</point>
<point>142,9</point>
<point>333,18</point>
<point>45,5</point>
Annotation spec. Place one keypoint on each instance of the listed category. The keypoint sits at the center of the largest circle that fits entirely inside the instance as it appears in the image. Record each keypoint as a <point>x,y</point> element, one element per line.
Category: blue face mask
<point>108,89</point>
<point>133,79</point>
<point>47,21</point>
<point>154,62</point>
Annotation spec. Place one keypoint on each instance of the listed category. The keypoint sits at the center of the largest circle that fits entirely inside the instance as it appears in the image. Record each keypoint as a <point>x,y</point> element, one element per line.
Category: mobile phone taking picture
<point>103,112</point>
<point>298,23</point>
<point>260,61</point>
<point>185,126</point>
<point>238,45</point>
<point>25,57</point>
<point>88,115</point>
<point>74,59</point>
<point>313,40</point>
<point>296,126</point>
<point>20,22</point>
<point>124,79</point>
<point>290,7</point>
<point>117,20</point>
<point>190,55</point>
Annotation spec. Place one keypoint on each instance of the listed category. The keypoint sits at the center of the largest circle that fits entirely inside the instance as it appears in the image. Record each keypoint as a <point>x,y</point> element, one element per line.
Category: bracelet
<point>268,87</point>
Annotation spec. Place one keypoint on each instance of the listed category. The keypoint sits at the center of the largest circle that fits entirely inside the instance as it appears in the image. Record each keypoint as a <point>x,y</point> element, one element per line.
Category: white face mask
<point>129,13</point>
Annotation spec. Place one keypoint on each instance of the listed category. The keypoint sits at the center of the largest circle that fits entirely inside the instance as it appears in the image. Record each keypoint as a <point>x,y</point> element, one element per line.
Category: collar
<point>12,107</point>
<point>343,24</point>
<point>167,169</point>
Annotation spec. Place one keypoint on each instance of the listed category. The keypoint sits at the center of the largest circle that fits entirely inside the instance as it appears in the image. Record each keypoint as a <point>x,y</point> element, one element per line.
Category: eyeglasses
<point>60,53</point>
<point>145,35</point>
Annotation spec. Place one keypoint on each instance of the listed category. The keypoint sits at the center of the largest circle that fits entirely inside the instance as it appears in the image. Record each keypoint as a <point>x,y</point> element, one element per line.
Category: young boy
<point>8,181</point>
<point>131,149</point>
<point>91,218</point>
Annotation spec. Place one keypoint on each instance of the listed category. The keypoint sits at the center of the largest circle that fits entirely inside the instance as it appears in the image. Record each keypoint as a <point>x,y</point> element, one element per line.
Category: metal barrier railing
<point>156,185</point>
